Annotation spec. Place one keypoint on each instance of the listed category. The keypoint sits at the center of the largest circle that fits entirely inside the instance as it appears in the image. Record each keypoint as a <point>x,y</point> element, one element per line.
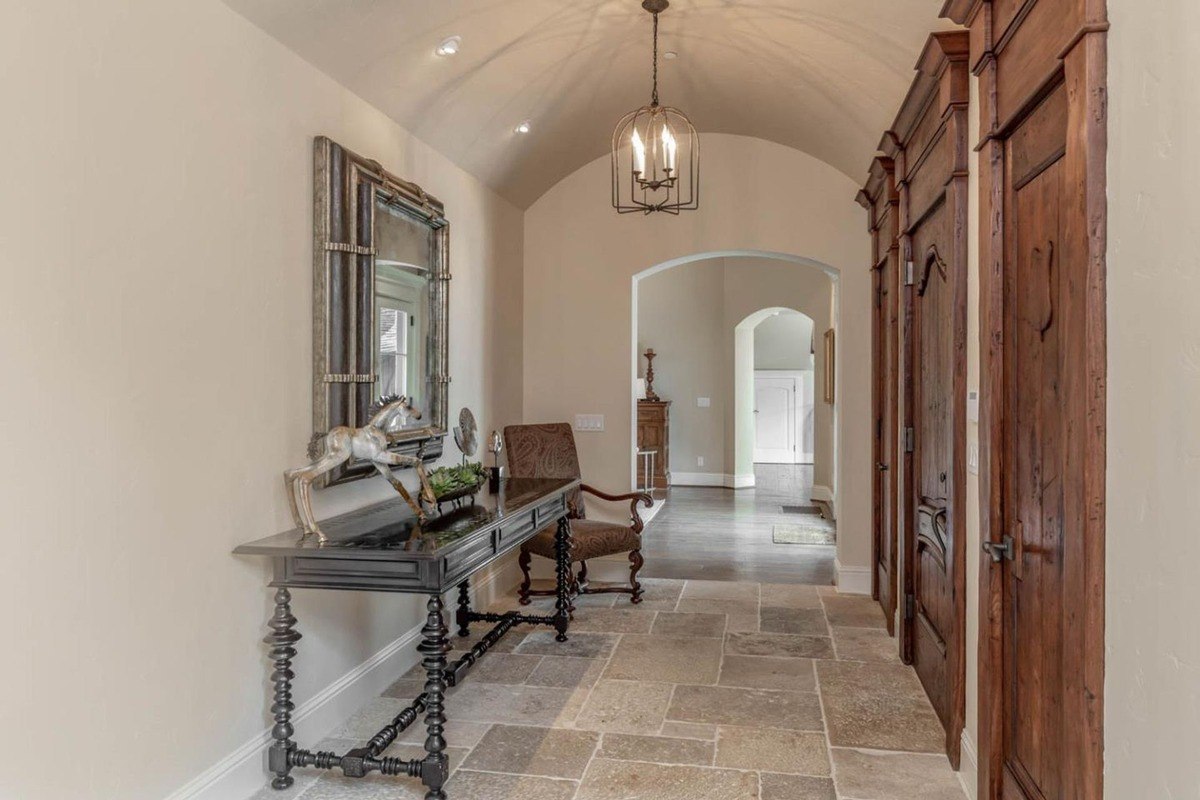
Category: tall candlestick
<point>650,393</point>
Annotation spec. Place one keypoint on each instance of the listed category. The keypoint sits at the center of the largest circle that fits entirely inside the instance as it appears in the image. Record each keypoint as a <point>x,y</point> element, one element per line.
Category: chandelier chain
<point>654,94</point>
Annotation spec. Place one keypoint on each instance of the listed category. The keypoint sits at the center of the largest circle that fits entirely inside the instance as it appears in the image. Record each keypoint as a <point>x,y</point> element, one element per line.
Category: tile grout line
<point>825,715</point>
<point>591,690</point>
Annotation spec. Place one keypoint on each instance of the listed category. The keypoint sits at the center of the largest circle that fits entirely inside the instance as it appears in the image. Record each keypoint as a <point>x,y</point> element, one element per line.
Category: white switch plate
<point>973,458</point>
<point>703,402</point>
<point>699,461</point>
<point>589,422</point>
<point>973,406</point>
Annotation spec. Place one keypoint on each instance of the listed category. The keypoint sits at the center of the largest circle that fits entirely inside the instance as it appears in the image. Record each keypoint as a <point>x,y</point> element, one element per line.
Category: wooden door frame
<point>940,93</point>
<point>1065,41</point>
<point>881,200</point>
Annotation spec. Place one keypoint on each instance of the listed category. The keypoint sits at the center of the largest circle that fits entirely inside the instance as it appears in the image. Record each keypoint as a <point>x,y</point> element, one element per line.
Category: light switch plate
<point>591,423</point>
<point>973,406</point>
<point>973,458</point>
<point>699,461</point>
<point>703,402</point>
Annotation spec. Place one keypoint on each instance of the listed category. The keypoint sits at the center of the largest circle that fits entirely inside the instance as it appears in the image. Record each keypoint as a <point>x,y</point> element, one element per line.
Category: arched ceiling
<point>822,76</point>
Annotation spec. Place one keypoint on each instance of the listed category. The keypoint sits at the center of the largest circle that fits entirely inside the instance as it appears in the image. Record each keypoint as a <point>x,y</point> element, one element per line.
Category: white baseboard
<point>741,481</point>
<point>852,580</point>
<point>712,479</point>
<point>968,768</point>
<point>243,772</point>
<point>647,514</point>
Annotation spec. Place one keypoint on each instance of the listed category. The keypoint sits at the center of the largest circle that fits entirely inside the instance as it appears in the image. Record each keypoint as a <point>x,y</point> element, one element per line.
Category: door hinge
<point>910,606</point>
<point>910,276</point>
<point>910,440</point>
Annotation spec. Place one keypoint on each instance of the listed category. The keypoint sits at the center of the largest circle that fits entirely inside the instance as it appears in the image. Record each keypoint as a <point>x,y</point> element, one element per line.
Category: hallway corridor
<point>725,535</point>
<point>743,675</point>
<point>708,690</point>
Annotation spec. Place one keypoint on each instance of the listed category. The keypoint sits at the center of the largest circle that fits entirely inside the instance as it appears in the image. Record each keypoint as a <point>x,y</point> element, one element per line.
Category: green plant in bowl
<point>457,480</point>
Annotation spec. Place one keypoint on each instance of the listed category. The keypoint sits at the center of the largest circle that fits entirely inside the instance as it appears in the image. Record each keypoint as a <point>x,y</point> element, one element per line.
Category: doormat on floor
<point>811,531</point>
<point>802,510</point>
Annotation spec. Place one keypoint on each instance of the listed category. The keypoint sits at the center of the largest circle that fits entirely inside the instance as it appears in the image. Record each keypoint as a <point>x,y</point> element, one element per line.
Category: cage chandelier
<point>655,152</point>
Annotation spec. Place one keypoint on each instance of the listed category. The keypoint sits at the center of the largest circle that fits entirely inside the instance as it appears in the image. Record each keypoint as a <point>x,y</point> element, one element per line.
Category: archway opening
<point>779,361</point>
<point>699,315</point>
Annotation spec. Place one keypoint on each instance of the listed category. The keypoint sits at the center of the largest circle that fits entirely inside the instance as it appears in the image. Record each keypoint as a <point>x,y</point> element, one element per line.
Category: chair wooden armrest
<point>634,497</point>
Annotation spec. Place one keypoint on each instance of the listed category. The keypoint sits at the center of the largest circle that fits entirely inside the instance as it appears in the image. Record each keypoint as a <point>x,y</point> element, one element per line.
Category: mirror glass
<point>404,264</point>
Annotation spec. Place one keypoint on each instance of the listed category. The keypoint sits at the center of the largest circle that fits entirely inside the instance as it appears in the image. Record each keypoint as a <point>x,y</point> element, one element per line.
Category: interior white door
<point>774,420</point>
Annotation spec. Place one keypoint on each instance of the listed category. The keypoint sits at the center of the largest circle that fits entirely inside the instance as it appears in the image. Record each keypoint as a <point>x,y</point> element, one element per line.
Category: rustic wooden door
<point>1031,552</point>
<point>1042,71</point>
<point>935,622</point>
<point>885,391</point>
<point>880,198</point>
<point>929,142</point>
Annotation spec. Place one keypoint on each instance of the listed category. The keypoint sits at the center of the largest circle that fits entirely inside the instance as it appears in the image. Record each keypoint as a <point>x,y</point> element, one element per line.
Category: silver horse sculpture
<point>369,443</point>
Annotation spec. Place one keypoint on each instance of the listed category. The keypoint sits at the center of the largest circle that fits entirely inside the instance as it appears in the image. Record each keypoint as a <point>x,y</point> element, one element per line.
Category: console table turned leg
<point>464,608</point>
<point>435,769</point>
<point>562,553</point>
<point>282,639</point>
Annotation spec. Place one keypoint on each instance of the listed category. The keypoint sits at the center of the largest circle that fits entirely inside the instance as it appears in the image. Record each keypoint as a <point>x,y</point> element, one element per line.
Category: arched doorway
<point>700,316</point>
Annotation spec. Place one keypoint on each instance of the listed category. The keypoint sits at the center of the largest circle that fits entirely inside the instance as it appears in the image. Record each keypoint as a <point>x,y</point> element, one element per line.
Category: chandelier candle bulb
<point>639,153</point>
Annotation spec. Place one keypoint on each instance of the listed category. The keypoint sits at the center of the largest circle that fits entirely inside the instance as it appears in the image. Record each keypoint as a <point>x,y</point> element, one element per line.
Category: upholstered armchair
<point>548,451</point>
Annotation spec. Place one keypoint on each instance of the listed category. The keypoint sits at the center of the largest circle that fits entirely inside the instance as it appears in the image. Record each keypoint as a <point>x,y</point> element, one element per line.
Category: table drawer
<point>353,573</point>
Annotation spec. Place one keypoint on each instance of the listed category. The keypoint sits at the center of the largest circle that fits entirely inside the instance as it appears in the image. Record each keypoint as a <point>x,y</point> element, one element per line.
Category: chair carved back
<point>545,451</point>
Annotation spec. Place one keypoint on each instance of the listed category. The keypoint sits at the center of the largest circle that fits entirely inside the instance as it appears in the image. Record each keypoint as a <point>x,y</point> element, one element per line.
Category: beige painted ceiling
<point>822,76</point>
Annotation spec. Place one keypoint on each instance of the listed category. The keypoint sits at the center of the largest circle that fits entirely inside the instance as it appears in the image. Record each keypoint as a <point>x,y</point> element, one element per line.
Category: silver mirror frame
<point>345,188</point>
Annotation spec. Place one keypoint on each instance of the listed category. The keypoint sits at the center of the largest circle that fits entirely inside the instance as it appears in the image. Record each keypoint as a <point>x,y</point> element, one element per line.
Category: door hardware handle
<point>1003,550</point>
<point>881,466</point>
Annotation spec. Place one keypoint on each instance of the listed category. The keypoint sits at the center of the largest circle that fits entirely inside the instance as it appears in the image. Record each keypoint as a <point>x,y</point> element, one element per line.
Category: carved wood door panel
<point>1033,584</point>
<point>933,627</point>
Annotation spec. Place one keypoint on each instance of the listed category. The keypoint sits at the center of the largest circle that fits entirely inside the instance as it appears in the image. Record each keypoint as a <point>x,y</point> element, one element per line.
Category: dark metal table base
<point>434,769</point>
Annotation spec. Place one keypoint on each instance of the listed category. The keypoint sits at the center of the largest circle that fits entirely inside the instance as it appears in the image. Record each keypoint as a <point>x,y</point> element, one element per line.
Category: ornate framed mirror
<point>381,291</point>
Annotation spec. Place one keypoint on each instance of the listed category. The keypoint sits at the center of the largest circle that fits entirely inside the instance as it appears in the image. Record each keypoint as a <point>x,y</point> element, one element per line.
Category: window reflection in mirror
<point>404,249</point>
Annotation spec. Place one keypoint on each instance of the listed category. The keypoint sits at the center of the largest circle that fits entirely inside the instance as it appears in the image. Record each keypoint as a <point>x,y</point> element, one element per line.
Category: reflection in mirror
<point>404,249</point>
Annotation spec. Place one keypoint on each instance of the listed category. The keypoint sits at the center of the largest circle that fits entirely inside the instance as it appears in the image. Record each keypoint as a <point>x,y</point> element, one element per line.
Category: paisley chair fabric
<point>548,451</point>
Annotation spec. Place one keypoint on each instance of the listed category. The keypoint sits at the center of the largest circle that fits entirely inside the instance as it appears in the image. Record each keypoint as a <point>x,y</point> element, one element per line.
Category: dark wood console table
<point>381,548</point>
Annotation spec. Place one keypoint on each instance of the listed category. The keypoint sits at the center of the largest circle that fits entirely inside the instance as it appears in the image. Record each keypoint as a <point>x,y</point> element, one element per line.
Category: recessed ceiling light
<point>449,47</point>
<point>524,127</point>
<point>670,55</point>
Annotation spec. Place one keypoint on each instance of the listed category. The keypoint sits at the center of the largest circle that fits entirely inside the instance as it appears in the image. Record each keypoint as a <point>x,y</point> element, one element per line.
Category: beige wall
<point>690,315</point>
<point>681,315</point>
<point>784,342</point>
<point>581,258</point>
<point>155,332</point>
<point>1152,689</point>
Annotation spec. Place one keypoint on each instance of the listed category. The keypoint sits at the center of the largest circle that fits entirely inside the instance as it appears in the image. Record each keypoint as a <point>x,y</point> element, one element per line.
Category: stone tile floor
<point>707,691</point>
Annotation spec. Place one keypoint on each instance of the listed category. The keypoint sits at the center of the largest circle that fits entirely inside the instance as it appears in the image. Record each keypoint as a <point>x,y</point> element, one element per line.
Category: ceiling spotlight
<point>449,47</point>
<point>670,55</point>
<point>524,127</point>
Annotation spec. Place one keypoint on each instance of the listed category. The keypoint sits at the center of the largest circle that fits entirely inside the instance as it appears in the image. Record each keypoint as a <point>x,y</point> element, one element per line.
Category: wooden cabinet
<point>654,433</point>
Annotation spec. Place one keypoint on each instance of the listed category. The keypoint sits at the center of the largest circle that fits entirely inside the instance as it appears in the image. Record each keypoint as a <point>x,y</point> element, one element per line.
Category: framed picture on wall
<point>830,350</point>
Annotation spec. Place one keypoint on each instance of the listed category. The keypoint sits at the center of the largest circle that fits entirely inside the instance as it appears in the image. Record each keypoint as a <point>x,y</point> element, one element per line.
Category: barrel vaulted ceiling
<point>822,76</point>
